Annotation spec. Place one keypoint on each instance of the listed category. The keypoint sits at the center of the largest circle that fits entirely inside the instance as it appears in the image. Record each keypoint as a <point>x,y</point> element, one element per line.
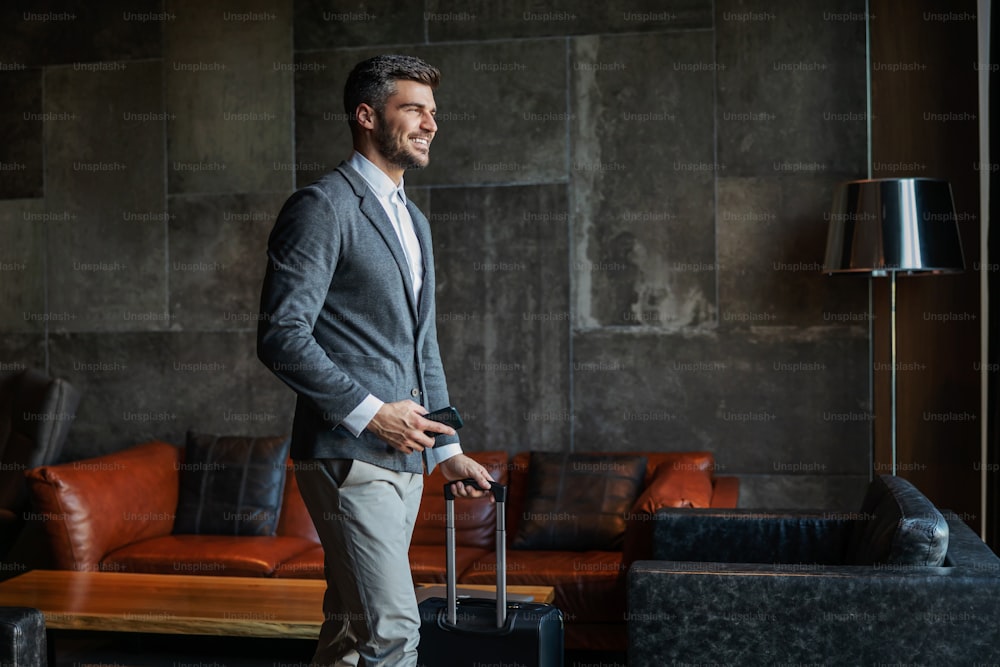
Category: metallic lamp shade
<point>888,225</point>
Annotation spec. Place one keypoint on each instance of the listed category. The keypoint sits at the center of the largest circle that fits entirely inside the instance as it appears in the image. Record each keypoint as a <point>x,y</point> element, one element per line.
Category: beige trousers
<point>364,516</point>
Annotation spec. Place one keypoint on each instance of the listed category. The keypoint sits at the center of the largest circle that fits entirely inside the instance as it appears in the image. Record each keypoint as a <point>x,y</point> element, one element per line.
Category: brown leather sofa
<point>116,513</point>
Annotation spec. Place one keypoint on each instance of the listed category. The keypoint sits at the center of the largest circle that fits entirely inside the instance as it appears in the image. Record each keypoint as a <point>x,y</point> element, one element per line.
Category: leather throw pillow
<point>578,502</point>
<point>231,485</point>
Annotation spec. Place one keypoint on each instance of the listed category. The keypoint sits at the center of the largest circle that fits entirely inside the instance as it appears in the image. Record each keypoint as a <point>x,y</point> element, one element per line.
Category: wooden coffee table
<point>183,604</point>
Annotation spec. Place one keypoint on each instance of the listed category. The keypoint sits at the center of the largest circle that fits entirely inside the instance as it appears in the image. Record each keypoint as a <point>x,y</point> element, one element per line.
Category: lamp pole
<point>892,357</point>
<point>871,377</point>
<point>892,360</point>
<point>884,226</point>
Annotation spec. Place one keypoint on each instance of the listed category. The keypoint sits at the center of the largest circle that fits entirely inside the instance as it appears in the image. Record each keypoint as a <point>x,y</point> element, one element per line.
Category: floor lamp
<point>886,226</point>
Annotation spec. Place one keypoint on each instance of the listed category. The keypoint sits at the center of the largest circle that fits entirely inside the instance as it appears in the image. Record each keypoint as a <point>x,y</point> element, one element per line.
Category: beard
<point>395,149</point>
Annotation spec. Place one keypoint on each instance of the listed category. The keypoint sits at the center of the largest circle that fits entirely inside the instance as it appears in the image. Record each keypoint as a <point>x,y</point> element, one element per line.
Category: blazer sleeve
<point>302,251</point>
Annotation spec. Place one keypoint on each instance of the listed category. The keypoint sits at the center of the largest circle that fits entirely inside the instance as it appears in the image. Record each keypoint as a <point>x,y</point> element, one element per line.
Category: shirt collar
<point>376,179</point>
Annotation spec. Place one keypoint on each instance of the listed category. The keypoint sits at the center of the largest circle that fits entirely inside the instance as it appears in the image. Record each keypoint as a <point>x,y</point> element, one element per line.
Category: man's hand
<point>462,467</point>
<point>402,425</point>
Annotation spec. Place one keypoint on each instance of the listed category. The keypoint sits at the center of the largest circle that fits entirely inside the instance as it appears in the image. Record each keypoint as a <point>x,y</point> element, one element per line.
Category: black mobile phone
<point>448,415</point>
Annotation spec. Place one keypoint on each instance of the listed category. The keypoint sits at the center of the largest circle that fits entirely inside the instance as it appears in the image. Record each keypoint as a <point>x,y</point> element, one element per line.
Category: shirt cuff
<point>359,418</point>
<point>436,455</point>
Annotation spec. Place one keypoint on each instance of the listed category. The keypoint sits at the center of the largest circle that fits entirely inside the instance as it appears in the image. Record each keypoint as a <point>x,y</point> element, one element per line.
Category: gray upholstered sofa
<point>22,637</point>
<point>898,582</point>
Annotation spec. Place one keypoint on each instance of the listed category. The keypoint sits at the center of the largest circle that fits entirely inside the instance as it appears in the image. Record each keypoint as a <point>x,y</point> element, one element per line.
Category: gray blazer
<point>339,321</point>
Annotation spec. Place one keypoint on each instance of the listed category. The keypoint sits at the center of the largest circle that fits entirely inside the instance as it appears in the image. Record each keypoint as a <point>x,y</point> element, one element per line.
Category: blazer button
<point>414,393</point>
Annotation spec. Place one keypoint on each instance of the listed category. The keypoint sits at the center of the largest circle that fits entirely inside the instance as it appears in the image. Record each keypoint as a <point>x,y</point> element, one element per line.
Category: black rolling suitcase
<point>487,632</point>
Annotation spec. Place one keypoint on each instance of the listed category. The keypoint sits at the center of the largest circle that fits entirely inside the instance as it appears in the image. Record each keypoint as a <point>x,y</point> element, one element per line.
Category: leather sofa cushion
<point>213,555</point>
<point>519,470</point>
<point>590,583</point>
<point>231,485</point>
<point>82,509</point>
<point>295,520</point>
<point>306,565</point>
<point>673,484</point>
<point>427,563</point>
<point>902,527</point>
<point>578,502</point>
<point>677,485</point>
<point>748,536</point>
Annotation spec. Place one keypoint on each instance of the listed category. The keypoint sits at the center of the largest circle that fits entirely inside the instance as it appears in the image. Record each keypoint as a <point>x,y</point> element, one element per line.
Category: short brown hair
<point>373,81</point>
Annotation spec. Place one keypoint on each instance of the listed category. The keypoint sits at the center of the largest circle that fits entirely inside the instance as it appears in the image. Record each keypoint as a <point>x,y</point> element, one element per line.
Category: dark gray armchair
<point>898,582</point>
<point>22,637</point>
<point>36,412</point>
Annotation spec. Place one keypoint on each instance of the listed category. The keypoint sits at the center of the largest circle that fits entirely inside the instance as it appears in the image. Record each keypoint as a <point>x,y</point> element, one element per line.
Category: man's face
<point>405,128</point>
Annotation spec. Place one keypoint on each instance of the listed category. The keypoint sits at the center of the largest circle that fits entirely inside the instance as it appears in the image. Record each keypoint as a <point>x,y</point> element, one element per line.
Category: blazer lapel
<point>373,210</point>
<point>423,232</point>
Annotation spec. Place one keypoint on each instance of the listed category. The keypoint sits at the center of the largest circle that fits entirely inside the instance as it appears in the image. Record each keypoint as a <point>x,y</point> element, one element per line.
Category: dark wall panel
<point>625,200</point>
<point>925,124</point>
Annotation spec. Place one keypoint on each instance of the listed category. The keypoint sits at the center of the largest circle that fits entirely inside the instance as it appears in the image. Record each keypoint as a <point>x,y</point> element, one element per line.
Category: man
<point>348,322</point>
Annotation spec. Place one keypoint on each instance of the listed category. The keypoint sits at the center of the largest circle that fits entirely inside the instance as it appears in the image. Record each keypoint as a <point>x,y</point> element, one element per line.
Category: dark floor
<point>85,649</point>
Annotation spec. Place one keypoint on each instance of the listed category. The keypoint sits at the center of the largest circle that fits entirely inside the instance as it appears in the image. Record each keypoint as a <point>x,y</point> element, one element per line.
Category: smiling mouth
<point>422,142</point>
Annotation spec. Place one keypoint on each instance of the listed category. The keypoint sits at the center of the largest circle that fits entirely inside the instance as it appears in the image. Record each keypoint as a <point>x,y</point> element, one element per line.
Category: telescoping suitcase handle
<point>499,492</point>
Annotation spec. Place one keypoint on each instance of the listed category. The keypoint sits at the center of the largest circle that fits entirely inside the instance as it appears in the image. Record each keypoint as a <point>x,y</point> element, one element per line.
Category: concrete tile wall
<point>791,104</point>
<point>141,386</point>
<point>21,132</point>
<point>503,312</point>
<point>104,185</point>
<point>227,72</point>
<point>217,258</point>
<point>482,19</point>
<point>502,110</point>
<point>643,203</point>
<point>628,202</point>
<point>22,268</point>
<point>52,33</point>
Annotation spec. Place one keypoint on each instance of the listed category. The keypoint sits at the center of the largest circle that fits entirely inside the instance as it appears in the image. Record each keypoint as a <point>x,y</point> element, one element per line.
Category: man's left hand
<point>463,467</point>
